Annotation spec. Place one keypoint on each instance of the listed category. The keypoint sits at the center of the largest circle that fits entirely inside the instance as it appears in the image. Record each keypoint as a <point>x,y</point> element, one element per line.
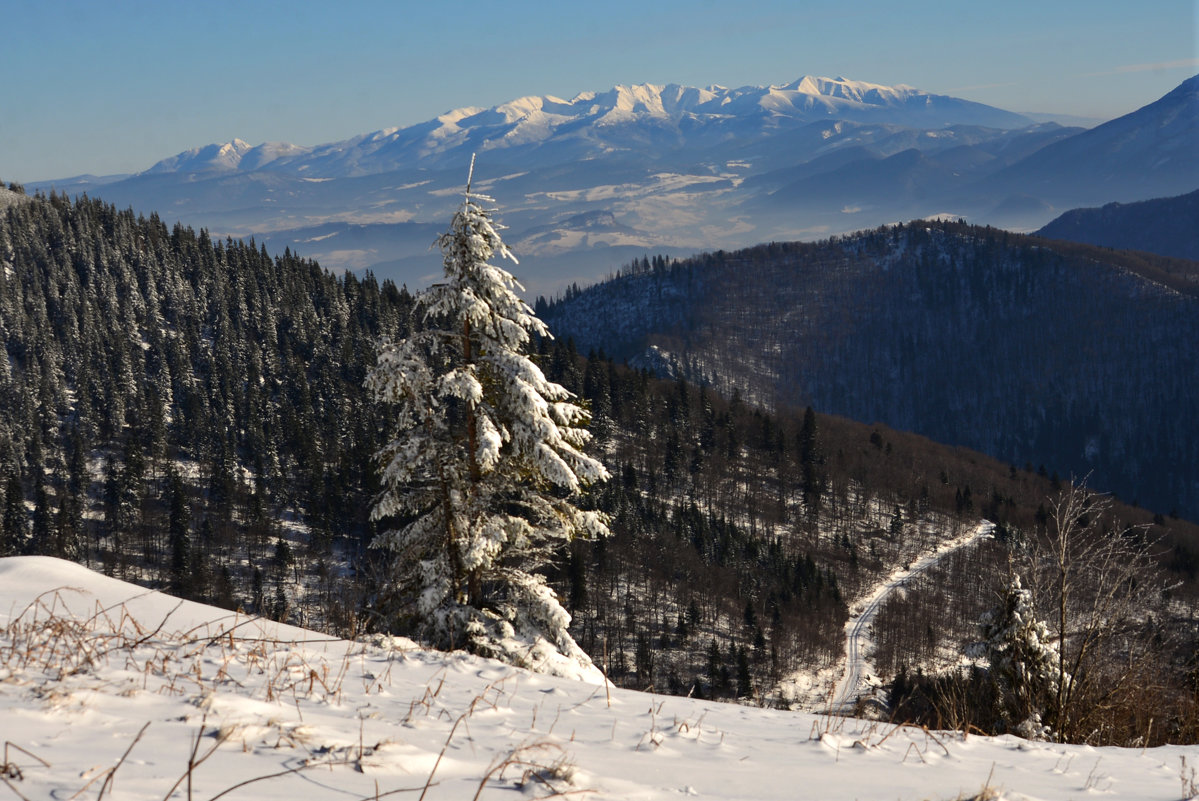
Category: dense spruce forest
<point>1027,349</point>
<point>171,403</point>
<point>190,414</point>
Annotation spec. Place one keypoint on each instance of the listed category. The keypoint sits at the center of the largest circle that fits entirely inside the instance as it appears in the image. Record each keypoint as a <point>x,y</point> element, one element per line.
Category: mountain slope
<point>1169,226</point>
<point>1150,152</point>
<point>1029,351</point>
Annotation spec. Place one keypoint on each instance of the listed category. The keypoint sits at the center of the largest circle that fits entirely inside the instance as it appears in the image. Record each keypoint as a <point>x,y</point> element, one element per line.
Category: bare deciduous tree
<point>1098,586</point>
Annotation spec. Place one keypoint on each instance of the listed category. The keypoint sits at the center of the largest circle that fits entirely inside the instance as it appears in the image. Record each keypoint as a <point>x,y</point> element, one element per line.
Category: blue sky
<point>113,86</point>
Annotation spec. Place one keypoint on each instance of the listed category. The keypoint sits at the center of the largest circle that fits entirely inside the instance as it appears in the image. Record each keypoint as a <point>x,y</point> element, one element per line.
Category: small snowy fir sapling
<point>1024,662</point>
<point>487,462</point>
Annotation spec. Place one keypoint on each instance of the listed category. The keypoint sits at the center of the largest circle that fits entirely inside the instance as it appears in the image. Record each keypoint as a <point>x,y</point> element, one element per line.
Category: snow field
<point>109,690</point>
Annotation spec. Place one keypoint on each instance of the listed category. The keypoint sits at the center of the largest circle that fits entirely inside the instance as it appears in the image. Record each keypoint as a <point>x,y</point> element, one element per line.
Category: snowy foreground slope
<point>104,688</point>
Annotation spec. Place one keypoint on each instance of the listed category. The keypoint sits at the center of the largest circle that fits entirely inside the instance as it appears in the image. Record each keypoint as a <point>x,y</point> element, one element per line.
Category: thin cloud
<point>1160,65</point>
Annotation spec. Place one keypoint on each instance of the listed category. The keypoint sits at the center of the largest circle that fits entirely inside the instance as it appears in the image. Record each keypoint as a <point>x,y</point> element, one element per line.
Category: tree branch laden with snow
<point>487,465</point>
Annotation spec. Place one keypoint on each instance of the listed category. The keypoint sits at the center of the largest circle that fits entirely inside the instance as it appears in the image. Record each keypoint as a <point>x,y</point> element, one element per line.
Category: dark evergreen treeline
<point>167,400</point>
<point>1026,349</point>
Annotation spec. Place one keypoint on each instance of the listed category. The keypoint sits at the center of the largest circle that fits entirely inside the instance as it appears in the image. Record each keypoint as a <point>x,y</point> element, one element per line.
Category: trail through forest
<point>857,676</point>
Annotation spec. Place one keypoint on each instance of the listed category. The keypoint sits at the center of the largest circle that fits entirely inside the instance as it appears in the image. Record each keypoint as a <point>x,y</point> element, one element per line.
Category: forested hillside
<point>170,402</point>
<point>741,531</point>
<point>1166,226</point>
<point>191,414</point>
<point>1032,351</point>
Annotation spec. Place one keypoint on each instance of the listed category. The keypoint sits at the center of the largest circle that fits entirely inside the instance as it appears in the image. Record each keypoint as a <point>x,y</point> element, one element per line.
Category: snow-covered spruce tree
<point>1024,662</point>
<point>487,462</point>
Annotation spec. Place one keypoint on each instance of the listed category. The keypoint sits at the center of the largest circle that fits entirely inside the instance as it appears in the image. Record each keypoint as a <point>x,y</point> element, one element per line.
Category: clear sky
<point>110,86</point>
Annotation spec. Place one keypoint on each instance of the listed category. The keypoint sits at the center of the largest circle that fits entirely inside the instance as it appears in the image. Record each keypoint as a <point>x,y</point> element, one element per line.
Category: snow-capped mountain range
<point>662,118</point>
<point>587,183</point>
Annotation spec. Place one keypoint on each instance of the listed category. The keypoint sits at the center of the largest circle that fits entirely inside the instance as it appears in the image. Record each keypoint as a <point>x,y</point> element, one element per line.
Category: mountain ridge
<point>1154,150</point>
<point>534,118</point>
<point>1160,225</point>
<point>1020,347</point>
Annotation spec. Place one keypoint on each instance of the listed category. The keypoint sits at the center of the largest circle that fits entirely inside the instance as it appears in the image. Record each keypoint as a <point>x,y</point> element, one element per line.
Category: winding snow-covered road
<point>857,671</point>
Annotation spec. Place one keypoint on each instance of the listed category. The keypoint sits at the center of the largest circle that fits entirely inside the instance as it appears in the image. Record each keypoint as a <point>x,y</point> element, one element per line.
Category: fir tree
<point>745,682</point>
<point>13,531</point>
<point>1024,662</point>
<point>40,540</point>
<point>179,537</point>
<point>482,476</point>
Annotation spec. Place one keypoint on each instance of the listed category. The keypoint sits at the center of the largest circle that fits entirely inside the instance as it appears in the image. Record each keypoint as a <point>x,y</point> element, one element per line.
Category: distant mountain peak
<point>215,157</point>
<point>847,89</point>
